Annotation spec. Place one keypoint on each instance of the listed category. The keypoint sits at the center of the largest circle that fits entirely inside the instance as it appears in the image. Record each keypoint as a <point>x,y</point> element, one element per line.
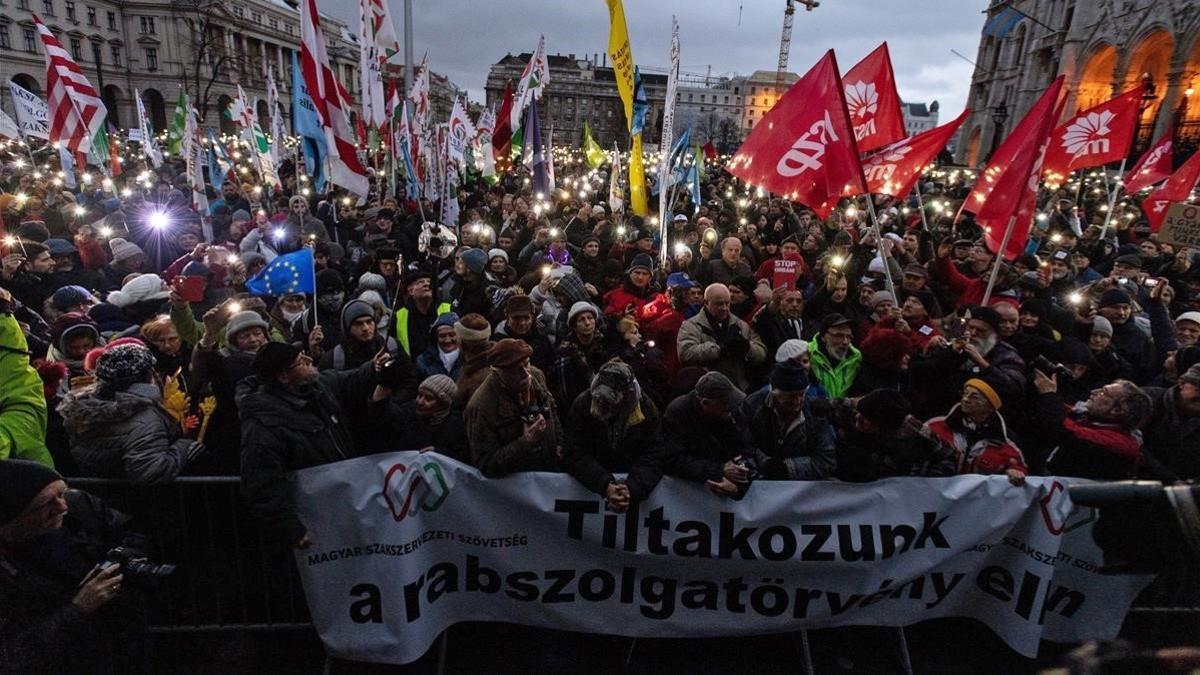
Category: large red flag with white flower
<point>803,149</point>
<point>1093,137</point>
<point>331,103</point>
<point>76,112</point>
<point>1153,166</point>
<point>873,102</point>
<point>1178,188</point>
<point>1006,190</point>
<point>894,169</point>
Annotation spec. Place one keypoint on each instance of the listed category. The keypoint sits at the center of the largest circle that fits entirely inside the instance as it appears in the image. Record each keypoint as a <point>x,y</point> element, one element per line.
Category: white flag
<point>33,116</point>
<point>461,132</point>
<point>276,120</point>
<point>533,82</point>
<point>9,128</point>
<point>485,157</point>
<point>149,145</point>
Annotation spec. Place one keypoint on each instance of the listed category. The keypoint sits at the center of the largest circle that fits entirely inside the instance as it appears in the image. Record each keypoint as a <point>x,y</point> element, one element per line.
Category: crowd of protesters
<point>571,338</point>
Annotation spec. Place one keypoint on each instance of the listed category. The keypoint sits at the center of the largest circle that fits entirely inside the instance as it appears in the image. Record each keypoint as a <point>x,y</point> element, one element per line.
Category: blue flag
<point>307,124</point>
<point>640,105</point>
<point>533,139</point>
<point>694,178</point>
<point>287,274</point>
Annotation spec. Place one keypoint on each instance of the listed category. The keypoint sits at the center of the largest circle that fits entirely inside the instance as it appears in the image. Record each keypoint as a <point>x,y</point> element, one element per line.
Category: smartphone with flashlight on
<point>190,289</point>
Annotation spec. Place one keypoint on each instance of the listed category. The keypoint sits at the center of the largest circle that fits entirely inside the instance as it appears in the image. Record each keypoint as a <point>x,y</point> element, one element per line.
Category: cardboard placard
<point>1181,227</point>
<point>785,274</point>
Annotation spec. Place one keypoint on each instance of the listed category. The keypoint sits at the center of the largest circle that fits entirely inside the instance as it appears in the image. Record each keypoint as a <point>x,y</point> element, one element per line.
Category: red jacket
<point>644,308</point>
<point>987,456</point>
<point>968,291</point>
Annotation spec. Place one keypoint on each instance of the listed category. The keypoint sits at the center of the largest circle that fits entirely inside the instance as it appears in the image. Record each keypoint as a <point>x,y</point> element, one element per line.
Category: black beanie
<point>789,376</point>
<point>885,408</point>
<point>20,482</point>
<point>330,281</point>
<point>273,358</point>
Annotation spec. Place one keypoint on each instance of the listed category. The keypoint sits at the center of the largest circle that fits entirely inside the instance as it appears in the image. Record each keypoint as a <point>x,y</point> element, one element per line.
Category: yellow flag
<point>637,178</point>
<point>622,56</point>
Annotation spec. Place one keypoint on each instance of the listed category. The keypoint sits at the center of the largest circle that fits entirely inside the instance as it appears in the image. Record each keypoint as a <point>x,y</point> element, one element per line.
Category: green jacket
<point>23,411</point>
<point>836,380</point>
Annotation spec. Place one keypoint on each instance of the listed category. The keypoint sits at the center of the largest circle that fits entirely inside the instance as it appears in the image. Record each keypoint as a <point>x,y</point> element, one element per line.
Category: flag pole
<point>1112,198</point>
<point>313,261</point>
<point>921,205</point>
<point>887,272</point>
<point>987,294</point>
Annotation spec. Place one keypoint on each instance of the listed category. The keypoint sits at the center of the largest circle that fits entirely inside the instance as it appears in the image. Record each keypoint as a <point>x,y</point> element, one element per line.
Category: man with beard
<point>835,361</point>
<point>26,274</point>
<point>1097,439</point>
<point>718,340</point>
<point>292,418</point>
<point>978,352</point>
<point>781,319</point>
<point>1172,435</point>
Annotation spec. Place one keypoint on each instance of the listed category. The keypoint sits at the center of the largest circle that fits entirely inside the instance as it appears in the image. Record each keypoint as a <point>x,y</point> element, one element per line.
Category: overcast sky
<point>464,37</point>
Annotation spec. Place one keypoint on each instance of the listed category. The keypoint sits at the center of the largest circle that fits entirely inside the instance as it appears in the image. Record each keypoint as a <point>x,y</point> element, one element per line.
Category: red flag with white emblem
<point>803,149</point>
<point>1178,188</point>
<point>873,102</point>
<point>1093,137</point>
<point>1153,166</point>
<point>1006,190</point>
<point>894,169</point>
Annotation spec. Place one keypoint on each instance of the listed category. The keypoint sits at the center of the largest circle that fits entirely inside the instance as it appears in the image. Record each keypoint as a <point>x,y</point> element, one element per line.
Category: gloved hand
<point>736,345</point>
<point>193,451</point>
<point>774,469</point>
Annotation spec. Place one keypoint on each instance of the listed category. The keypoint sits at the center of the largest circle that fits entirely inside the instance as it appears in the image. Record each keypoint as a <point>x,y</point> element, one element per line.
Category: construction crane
<point>785,42</point>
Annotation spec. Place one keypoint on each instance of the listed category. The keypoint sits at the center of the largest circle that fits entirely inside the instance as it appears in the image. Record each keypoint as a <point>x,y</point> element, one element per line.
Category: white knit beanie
<point>579,308</point>
<point>139,289</point>
<point>123,250</point>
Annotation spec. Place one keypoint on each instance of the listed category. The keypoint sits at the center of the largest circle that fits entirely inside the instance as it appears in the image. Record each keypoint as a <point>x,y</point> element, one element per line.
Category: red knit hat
<point>885,348</point>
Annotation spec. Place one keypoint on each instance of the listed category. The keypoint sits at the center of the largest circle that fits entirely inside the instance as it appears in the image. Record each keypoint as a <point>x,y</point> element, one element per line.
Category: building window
<point>48,7</point>
<point>273,23</point>
<point>76,49</point>
<point>751,101</point>
<point>22,4</point>
<point>112,20</point>
<point>151,59</point>
<point>91,16</point>
<point>4,40</point>
<point>28,37</point>
<point>753,90</point>
<point>256,17</point>
<point>726,100</point>
<point>702,98</point>
<point>147,24</point>
<point>116,55</point>
<point>689,98</point>
<point>239,12</point>
<point>70,6</point>
<point>287,28</point>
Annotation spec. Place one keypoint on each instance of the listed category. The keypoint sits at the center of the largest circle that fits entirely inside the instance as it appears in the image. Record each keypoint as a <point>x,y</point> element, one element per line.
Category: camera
<point>137,566</point>
<point>530,414</point>
<point>1050,368</point>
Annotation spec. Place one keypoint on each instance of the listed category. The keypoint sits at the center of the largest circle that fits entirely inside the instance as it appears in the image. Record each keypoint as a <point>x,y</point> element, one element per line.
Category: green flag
<point>591,149</point>
<point>178,123</point>
<point>518,144</point>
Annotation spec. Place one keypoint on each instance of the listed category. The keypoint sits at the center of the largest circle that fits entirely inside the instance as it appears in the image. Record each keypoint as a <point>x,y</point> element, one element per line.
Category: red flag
<point>1178,188</point>
<point>893,170</point>
<point>710,151</point>
<point>1007,188</point>
<point>502,134</point>
<point>331,102</point>
<point>1153,166</point>
<point>873,101</point>
<point>803,148</point>
<point>1093,137</point>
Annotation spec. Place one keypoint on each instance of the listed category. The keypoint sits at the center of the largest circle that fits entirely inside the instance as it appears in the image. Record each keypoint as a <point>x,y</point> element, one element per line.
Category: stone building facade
<point>1103,47</point>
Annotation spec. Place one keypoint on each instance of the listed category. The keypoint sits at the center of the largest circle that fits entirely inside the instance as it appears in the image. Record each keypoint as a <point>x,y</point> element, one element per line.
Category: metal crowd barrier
<point>230,577</point>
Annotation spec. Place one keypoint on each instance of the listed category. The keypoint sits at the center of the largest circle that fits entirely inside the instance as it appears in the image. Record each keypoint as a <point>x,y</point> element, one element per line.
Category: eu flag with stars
<point>286,275</point>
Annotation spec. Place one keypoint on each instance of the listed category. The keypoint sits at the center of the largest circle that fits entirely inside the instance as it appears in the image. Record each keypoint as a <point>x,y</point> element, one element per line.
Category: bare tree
<point>207,23</point>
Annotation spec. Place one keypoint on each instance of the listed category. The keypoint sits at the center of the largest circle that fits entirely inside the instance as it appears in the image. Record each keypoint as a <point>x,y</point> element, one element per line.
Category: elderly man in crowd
<point>717,340</point>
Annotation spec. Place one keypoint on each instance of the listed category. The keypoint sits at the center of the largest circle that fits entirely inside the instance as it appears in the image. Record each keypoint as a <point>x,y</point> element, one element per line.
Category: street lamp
<point>999,117</point>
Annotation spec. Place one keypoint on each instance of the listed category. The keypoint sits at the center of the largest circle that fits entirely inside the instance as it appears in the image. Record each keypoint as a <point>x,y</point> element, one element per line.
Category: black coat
<point>592,455</point>
<point>806,450</point>
<point>1172,440</point>
<point>397,426</point>
<point>703,443</point>
<point>283,432</point>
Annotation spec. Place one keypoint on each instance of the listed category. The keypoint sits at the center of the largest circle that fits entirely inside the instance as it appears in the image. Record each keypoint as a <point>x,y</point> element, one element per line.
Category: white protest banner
<point>1181,227</point>
<point>32,114</point>
<point>407,544</point>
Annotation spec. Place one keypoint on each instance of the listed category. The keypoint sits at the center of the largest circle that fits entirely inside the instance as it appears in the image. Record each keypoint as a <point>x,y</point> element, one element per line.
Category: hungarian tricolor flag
<point>710,151</point>
<point>873,102</point>
<point>1153,166</point>
<point>503,132</point>
<point>894,169</point>
<point>803,148</point>
<point>1093,137</point>
<point>1178,188</point>
<point>1005,193</point>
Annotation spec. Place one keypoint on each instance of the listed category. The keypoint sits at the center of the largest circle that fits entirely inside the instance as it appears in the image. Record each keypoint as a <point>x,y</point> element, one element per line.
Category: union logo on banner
<point>417,485</point>
<point>880,166</point>
<point>1088,135</point>
<point>806,152</point>
<point>862,100</point>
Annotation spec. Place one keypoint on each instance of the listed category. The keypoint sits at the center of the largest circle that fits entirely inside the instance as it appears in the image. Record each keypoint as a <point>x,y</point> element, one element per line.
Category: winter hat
<point>374,299</point>
<point>790,349</point>
<point>371,281</point>
<point>985,314</point>
<point>1186,357</point>
<point>714,385</point>
<point>509,352</point>
<point>1129,260</point>
<point>1194,317</point>
<point>475,259</point>
<point>330,281</point>
<point>448,319</point>
<point>881,296</point>
<point>250,258</point>
<point>69,325</point>
<point>124,364</point>
<point>240,216</point>
<point>123,250</point>
<point>876,266</point>
<point>1072,351</point>
<point>473,328</point>
<point>679,280</point>
<point>1114,296</point>
<point>142,288</point>
<point>612,382</point>
<point>884,348</point>
<point>598,211</point>
<point>70,296</point>
<point>643,261</point>
<point>986,389</point>
<point>354,310</point>
<point>842,238</point>
<point>497,253</point>
<point>1102,326</point>
<point>60,247</point>
<point>517,304</point>
<point>833,320</point>
<point>21,481</point>
<point>744,284</point>
<point>1191,376</point>
<point>439,386</point>
<point>414,273</point>
<point>579,308</point>
<point>884,407</point>
<point>33,230</point>
<point>789,376</point>
<point>274,358</point>
<point>243,320</point>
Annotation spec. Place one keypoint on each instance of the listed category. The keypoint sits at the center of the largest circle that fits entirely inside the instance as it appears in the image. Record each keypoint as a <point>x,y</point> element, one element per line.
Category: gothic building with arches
<point>1103,47</point>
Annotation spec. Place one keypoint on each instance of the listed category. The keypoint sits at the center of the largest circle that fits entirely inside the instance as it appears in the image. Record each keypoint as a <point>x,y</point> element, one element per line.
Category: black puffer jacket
<point>284,431</point>
<point>595,450</point>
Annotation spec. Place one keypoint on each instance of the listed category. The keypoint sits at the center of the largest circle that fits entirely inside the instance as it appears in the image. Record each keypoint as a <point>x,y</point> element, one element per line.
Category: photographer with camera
<point>979,351</point>
<point>65,568</point>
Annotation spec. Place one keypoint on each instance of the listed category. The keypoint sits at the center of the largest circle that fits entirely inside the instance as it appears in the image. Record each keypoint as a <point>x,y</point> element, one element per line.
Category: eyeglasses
<point>302,360</point>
